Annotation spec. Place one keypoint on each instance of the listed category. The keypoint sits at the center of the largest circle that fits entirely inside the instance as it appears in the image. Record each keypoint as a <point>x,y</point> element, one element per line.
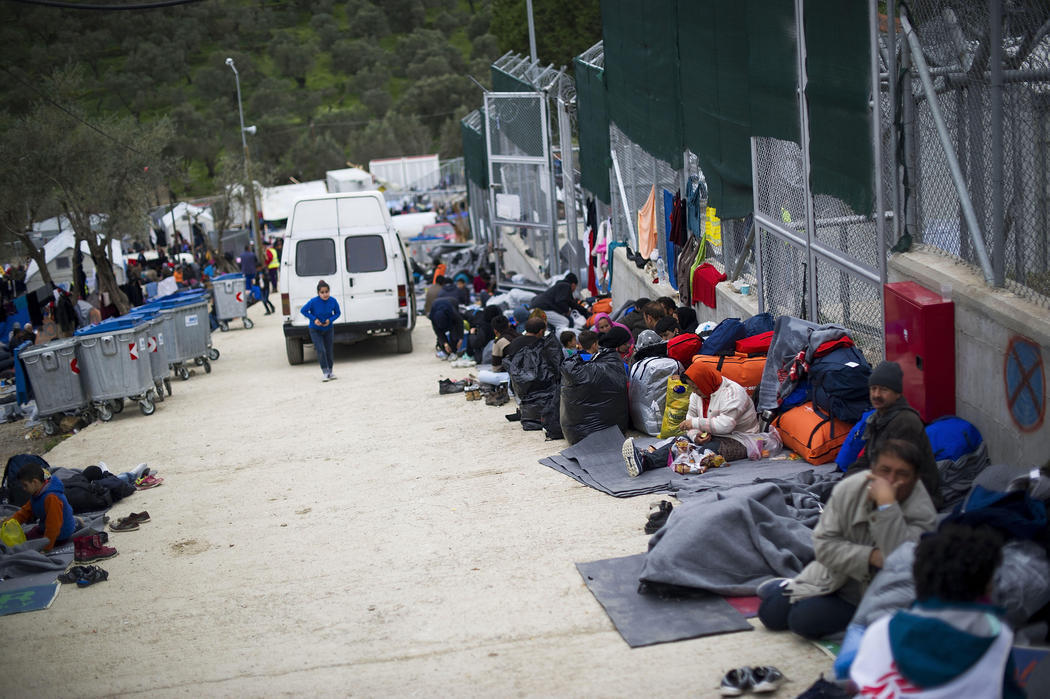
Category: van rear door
<point>371,279</point>
<point>317,257</point>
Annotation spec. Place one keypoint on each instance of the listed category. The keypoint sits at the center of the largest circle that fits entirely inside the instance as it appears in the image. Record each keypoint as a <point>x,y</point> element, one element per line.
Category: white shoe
<point>326,378</point>
<point>332,377</point>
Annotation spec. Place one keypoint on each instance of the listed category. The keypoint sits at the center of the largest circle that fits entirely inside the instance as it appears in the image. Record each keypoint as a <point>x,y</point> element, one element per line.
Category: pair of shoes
<point>139,517</point>
<point>124,524</point>
<point>631,459</point>
<point>73,574</point>
<point>147,482</point>
<point>446,386</point>
<point>91,575</point>
<point>759,680</point>
<point>659,512</point>
<point>473,392</point>
<point>91,548</point>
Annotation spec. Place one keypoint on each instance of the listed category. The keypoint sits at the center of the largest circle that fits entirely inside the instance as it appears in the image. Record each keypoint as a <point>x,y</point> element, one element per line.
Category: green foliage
<point>324,81</point>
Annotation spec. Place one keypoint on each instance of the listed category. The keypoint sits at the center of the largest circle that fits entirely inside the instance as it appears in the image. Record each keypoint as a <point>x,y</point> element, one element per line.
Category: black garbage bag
<point>534,376</point>
<point>593,395</point>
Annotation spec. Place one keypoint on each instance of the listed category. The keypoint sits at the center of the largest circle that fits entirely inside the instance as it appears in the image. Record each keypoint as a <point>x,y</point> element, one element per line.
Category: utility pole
<point>256,235</point>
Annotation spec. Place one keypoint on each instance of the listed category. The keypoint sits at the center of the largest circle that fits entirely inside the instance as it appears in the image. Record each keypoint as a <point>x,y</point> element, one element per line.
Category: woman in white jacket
<point>718,408</point>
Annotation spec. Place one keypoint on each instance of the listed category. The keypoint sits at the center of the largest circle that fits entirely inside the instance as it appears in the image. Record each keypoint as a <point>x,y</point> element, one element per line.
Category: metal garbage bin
<point>188,332</point>
<point>156,348</point>
<point>55,377</point>
<point>231,300</point>
<point>114,365</point>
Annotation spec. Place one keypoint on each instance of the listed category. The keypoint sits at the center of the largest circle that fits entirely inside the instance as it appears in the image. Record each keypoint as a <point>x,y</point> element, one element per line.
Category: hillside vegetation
<point>325,82</point>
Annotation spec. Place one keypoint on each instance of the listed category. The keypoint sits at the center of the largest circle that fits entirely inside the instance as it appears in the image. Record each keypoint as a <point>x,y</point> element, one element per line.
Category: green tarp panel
<point>505,82</point>
<point>475,161</point>
<point>641,74</point>
<point>773,69</point>
<point>838,95</point>
<point>593,122</point>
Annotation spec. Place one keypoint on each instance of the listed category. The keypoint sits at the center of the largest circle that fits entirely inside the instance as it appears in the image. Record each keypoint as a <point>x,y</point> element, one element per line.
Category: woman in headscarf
<point>618,338</point>
<point>718,407</point>
<point>603,323</point>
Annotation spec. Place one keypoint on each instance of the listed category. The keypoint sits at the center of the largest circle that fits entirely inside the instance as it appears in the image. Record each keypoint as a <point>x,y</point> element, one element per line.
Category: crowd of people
<point>887,501</point>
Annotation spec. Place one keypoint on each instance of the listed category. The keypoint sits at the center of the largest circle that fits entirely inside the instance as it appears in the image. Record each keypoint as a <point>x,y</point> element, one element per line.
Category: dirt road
<point>361,537</point>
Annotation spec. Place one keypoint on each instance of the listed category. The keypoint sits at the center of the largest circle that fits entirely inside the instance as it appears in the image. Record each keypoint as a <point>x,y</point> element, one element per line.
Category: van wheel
<point>294,349</point>
<point>404,341</point>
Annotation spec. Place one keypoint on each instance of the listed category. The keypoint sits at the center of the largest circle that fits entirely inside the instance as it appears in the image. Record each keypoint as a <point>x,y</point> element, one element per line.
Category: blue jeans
<point>323,339</point>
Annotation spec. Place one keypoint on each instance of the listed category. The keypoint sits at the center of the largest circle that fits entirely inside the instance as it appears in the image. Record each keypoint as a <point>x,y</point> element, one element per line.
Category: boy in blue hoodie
<point>951,642</point>
<point>47,504</point>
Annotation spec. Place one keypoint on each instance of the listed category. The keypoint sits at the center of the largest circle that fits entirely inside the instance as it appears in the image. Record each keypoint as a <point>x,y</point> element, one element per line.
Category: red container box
<point>920,336</point>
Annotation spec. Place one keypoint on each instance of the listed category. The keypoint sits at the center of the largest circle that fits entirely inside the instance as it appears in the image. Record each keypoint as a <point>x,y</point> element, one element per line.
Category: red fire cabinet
<point>920,336</point>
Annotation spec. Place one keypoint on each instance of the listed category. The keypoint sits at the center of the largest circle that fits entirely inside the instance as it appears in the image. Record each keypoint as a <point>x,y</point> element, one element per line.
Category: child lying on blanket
<point>47,504</point>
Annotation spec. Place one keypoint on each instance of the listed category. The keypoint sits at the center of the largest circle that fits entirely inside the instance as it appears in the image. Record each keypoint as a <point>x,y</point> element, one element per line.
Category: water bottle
<point>661,268</point>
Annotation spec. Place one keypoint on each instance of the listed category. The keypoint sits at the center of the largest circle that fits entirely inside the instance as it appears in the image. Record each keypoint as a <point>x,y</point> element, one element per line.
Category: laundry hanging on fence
<point>647,225</point>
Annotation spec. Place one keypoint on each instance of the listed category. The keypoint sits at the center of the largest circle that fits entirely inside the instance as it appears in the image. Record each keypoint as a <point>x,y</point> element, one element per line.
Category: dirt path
<point>365,536</point>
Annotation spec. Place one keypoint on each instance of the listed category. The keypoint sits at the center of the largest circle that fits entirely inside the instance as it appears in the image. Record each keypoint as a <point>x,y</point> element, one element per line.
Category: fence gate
<point>520,185</point>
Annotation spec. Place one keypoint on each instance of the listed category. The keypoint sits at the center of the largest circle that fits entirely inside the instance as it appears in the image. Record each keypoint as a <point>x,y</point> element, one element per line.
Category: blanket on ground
<point>729,540</point>
<point>28,559</point>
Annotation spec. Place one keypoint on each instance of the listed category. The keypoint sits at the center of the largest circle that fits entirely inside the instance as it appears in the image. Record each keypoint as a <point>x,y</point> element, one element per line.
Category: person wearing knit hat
<point>894,418</point>
<point>559,302</point>
<point>618,338</point>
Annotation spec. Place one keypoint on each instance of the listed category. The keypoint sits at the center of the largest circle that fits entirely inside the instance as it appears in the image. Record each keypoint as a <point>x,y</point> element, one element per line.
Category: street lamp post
<point>247,176</point>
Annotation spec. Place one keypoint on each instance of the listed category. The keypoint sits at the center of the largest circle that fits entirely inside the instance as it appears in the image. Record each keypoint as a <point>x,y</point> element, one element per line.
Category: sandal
<point>124,524</point>
<point>93,575</point>
<point>72,575</point>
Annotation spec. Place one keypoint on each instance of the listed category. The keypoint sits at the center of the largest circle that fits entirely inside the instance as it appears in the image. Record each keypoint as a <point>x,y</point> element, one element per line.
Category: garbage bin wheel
<point>167,385</point>
<point>49,427</point>
<point>207,366</point>
<point>184,373</point>
<point>213,353</point>
<point>224,326</point>
<point>198,360</point>
<point>147,407</point>
<point>105,412</point>
<point>248,324</point>
<point>117,405</point>
<point>158,393</point>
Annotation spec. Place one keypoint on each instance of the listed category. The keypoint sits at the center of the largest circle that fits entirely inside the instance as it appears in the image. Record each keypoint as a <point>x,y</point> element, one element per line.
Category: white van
<point>348,240</point>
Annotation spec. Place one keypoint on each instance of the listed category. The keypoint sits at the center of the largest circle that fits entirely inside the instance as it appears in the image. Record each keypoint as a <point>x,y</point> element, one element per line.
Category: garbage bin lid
<point>112,325</point>
<point>55,344</point>
<point>231,275</point>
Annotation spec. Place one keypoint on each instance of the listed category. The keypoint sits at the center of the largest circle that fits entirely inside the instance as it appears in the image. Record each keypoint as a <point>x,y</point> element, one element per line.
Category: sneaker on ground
<point>630,458</point>
<point>766,679</point>
<point>767,588</point>
<point>736,682</point>
<point>326,378</point>
<point>332,377</point>
<point>440,354</point>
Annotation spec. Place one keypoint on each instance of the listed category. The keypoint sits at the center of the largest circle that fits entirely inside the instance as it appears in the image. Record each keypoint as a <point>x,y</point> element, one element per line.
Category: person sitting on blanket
<point>47,504</point>
<point>952,640</point>
<point>868,515</point>
<point>718,408</point>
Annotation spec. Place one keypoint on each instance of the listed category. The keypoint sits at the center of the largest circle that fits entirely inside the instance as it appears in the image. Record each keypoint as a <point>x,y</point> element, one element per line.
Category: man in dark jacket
<point>558,302</point>
<point>634,319</point>
<point>895,419</point>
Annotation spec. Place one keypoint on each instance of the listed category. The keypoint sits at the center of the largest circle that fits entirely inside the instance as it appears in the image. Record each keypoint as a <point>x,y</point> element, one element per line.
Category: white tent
<point>277,201</point>
<point>351,179</point>
<point>185,215</point>
<point>60,258</point>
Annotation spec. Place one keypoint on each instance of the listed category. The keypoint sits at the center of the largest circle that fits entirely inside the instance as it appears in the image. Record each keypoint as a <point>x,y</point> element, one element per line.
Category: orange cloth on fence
<point>647,225</point>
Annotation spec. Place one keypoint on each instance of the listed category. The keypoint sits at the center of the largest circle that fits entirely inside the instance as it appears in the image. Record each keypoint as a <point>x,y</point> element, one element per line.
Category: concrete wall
<point>986,323</point>
<point>629,282</point>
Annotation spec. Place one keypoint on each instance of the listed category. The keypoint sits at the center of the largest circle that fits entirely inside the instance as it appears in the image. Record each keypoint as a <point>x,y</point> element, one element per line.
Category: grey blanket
<point>28,559</point>
<point>729,540</point>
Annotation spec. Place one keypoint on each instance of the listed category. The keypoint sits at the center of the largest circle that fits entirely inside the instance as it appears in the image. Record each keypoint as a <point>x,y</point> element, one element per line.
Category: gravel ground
<point>366,537</point>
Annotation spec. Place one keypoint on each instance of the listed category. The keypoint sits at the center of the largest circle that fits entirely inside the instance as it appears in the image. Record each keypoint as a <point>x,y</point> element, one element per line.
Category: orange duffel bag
<point>745,370</point>
<point>816,439</point>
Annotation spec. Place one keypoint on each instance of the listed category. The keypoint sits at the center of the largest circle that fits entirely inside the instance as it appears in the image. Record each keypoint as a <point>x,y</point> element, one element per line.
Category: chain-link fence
<point>1006,176</point>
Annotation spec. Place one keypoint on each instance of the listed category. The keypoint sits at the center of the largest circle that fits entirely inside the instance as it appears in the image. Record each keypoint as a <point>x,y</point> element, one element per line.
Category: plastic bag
<point>11,533</point>
<point>760,445</point>
<point>593,395</point>
<point>676,407</point>
<point>647,392</point>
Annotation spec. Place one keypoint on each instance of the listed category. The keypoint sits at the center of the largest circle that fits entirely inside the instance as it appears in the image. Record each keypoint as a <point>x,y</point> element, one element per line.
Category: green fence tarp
<point>593,122</point>
<point>505,82</point>
<point>838,94</point>
<point>641,74</point>
<point>475,161</point>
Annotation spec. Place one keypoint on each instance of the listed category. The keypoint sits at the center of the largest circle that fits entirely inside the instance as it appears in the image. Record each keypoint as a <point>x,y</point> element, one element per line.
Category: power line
<point>106,8</point>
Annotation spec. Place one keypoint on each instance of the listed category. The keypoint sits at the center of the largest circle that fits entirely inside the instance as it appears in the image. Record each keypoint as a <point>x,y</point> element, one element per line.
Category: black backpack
<point>11,490</point>
<point>839,384</point>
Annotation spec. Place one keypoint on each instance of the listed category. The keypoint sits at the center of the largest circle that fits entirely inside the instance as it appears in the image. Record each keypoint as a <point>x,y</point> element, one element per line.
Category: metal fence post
<point>995,57</point>
<point>568,184</point>
<point>876,136</point>
<point>803,114</point>
<point>760,271</point>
